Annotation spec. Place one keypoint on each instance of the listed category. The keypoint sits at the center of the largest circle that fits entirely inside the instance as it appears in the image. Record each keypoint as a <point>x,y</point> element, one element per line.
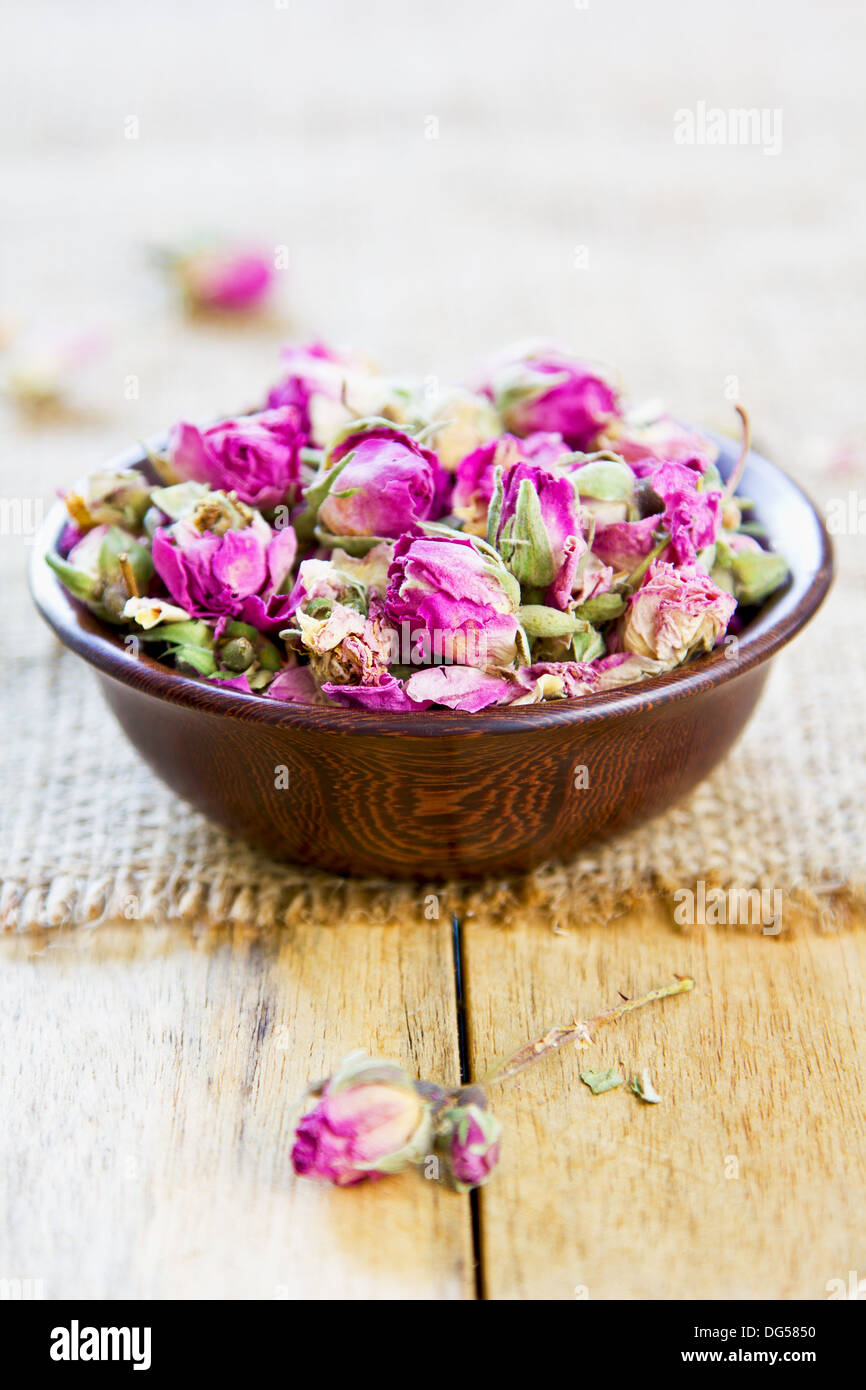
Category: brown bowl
<point>443,793</point>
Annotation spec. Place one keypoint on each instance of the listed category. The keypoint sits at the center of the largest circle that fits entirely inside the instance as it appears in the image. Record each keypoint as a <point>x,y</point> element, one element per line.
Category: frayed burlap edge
<point>549,898</point>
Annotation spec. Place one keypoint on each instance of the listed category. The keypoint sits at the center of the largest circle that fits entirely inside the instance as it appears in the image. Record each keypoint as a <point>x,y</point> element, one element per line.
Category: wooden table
<point>148,1077</point>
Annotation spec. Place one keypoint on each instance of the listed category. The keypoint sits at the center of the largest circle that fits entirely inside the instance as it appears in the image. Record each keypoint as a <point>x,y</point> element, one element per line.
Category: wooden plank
<point>748,1181</point>
<point>147,1084</point>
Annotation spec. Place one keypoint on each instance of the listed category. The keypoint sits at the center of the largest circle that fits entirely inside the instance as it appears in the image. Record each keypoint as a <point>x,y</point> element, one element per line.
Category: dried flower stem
<point>128,574</point>
<point>636,577</point>
<point>581,1031</point>
<point>734,481</point>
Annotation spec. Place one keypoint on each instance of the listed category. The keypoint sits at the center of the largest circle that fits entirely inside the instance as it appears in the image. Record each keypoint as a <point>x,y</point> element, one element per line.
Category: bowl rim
<point>781,618</point>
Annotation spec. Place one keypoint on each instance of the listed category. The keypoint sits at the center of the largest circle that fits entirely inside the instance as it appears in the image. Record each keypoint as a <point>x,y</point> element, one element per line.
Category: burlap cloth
<point>703,272</point>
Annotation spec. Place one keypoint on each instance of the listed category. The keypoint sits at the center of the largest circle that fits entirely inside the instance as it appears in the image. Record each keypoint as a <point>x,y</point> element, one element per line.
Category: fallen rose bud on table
<point>222,277</point>
<point>370,1118</point>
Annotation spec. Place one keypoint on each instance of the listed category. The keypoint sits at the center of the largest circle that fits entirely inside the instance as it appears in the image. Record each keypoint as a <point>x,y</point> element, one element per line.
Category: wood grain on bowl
<point>441,793</point>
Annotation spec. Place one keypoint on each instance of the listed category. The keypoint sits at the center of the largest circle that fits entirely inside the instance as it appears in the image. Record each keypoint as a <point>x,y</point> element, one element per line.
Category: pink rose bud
<point>461,687</point>
<point>315,382</point>
<point>230,279</point>
<point>469,1141</point>
<point>93,569</point>
<point>387,483</point>
<point>692,517</point>
<point>240,574</point>
<point>674,614</point>
<point>475,478</point>
<point>458,599</point>
<point>258,457</point>
<point>663,441</point>
<point>475,474</point>
<point>367,1120</point>
<point>548,391</point>
<point>538,525</point>
<point>746,570</point>
<point>109,498</point>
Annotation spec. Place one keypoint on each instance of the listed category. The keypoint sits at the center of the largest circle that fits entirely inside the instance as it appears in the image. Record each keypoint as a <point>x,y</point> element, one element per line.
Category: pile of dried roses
<point>374,543</point>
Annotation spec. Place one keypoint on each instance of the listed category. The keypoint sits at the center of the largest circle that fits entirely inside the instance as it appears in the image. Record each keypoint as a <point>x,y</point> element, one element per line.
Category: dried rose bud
<point>539,529</point>
<point>121,497</point>
<point>94,572</point>
<point>225,278</point>
<point>475,480</point>
<point>546,390</point>
<point>239,574</point>
<point>454,590</point>
<point>469,1140</point>
<point>747,570</point>
<point>376,480</point>
<point>691,517</point>
<point>315,381</point>
<point>238,654</point>
<point>674,614</point>
<point>368,1119</point>
<point>256,458</point>
<point>661,441</point>
<point>459,423</point>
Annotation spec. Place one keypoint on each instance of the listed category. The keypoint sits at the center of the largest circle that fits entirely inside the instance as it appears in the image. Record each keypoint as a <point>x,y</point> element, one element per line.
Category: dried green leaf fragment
<point>600,1081</point>
<point>642,1086</point>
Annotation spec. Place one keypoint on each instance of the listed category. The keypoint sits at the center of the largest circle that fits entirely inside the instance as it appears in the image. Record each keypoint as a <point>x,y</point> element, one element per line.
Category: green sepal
<point>706,558</point>
<point>641,1084</point>
<point>587,644</point>
<point>454,533</point>
<point>117,542</point>
<point>523,651</point>
<point>607,479</point>
<point>260,679</point>
<point>179,499</point>
<point>356,546</point>
<point>197,658</point>
<point>192,633</point>
<point>236,628</point>
<point>315,494</point>
<point>524,543</point>
<point>757,574</point>
<point>602,609</point>
<point>662,540</point>
<point>494,511</point>
<point>538,620</point>
<point>81,585</point>
<point>269,657</point>
<point>711,480</point>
